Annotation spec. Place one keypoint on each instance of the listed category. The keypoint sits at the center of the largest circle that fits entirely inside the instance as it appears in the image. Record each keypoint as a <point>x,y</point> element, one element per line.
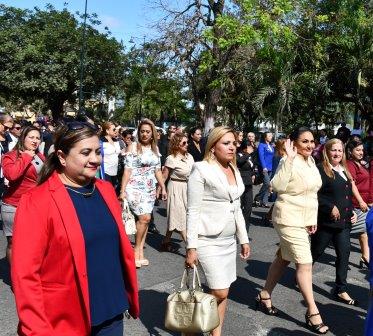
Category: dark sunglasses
<point>76,126</point>
<point>17,128</point>
<point>5,127</point>
<point>183,143</point>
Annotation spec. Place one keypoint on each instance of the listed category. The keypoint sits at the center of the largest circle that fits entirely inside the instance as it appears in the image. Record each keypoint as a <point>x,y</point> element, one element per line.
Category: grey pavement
<point>163,276</point>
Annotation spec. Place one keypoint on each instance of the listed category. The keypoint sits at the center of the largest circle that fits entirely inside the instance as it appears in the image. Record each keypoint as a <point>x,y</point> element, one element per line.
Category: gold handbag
<point>191,310</point>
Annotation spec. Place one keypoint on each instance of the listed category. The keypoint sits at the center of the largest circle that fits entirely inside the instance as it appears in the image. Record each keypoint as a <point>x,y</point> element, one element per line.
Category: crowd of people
<point>72,265</point>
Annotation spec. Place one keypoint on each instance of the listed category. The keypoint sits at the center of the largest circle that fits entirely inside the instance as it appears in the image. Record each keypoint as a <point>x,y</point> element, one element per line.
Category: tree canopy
<point>40,53</point>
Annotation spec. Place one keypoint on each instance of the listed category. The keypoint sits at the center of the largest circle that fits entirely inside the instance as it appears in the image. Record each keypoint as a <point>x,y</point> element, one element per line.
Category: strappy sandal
<point>273,311</point>
<point>138,263</point>
<point>315,327</point>
<point>350,302</point>
<point>364,264</point>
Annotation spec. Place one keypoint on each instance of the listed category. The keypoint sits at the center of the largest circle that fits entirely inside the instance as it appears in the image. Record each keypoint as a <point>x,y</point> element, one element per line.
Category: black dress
<point>193,150</point>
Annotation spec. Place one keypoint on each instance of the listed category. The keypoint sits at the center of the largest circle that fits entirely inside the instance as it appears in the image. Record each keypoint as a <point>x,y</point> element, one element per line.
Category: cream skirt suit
<point>296,184</point>
<point>214,221</point>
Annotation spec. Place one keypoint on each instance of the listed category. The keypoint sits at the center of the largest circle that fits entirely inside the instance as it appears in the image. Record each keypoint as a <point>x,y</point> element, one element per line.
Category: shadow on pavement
<point>286,332</point>
<point>259,270</point>
<point>153,308</point>
<point>251,291</point>
<point>162,211</point>
<point>5,271</point>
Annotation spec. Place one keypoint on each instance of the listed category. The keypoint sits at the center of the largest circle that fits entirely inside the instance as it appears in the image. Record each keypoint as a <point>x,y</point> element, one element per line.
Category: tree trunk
<point>56,106</point>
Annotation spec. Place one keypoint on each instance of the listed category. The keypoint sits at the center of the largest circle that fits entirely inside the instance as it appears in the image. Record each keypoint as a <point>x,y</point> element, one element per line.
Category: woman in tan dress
<point>177,169</point>
<point>297,181</point>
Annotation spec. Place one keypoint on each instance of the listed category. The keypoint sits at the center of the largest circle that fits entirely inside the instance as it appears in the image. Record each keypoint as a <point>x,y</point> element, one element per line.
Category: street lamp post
<point>82,54</point>
<point>143,80</point>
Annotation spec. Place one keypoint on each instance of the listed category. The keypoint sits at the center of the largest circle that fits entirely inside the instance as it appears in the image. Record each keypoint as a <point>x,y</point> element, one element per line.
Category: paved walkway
<point>163,275</point>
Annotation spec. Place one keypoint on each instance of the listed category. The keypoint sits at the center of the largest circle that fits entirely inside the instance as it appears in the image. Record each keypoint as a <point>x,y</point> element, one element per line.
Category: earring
<point>212,155</point>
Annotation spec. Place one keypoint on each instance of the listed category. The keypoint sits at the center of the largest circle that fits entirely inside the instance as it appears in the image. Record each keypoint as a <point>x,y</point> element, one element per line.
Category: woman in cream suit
<point>297,181</point>
<point>214,217</point>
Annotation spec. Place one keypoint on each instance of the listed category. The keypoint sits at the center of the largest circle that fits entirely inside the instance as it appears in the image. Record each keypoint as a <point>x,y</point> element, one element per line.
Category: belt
<point>177,180</point>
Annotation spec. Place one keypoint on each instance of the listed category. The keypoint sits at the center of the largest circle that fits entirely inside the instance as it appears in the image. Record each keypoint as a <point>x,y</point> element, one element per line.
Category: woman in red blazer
<point>20,167</point>
<point>73,268</point>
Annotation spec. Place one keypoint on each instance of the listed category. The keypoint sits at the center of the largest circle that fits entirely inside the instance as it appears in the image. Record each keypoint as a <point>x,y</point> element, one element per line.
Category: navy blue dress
<point>107,295</point>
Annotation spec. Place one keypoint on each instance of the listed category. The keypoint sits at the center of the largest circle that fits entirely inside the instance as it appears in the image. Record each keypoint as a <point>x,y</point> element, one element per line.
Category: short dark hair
<point>127,132</point>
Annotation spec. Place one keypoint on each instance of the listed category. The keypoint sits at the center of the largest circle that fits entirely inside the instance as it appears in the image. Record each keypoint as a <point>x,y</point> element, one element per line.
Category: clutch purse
<point>128,219</point>
<point>191,310</point>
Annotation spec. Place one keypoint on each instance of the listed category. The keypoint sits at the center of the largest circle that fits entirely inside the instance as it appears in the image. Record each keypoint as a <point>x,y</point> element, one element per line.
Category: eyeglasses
<point>17,128</point>
<point>6,127</point>
<point>183,143</point>
<point>76,126</point>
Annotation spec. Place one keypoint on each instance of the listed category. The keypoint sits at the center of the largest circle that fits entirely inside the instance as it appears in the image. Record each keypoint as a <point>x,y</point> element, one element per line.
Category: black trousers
<point>247,204</point>
<point>342,245</point>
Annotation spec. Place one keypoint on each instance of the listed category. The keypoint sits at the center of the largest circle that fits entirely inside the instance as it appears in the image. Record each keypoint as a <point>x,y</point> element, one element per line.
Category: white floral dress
<point>141,187</point>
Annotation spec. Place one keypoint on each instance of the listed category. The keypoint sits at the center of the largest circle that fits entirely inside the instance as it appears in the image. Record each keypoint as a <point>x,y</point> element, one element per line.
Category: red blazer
<point>49,271</point>
<point>20,173</point>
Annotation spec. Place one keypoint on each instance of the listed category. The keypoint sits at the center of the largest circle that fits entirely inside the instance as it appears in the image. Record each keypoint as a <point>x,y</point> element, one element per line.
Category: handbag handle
<point>195,276</point>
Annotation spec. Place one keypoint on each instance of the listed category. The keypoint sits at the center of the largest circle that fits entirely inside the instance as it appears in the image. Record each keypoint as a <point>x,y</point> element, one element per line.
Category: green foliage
<point>149,89</point>
<point>293,61</point>
<point>40,57</point>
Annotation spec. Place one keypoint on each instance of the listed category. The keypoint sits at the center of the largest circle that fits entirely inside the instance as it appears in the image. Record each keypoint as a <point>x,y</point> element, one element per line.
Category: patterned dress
<point>141,187</point>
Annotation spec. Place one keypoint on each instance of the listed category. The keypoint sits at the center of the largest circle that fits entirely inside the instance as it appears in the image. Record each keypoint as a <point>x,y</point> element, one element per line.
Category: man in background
<point>14,134</point>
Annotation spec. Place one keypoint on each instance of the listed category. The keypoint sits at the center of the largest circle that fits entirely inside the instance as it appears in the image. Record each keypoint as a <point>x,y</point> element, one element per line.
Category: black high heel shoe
<point>315,327</point>
<point>350,302</point>
<point>363,263</point>
<point>273,311</point>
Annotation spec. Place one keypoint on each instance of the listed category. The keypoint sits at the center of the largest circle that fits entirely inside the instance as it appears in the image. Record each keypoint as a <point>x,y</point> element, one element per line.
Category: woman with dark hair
<point>6,123</point>
<point>297,181</point>
<point>265,157</point>
<point>196,147</point>
<point>21,167</point>
<point>141,173</point>
<point>247,165</point>
<point>361,177</point>
<point>177,170</point>
<point>73,270</point>
<point>111,151</point>
<point>335,214</point>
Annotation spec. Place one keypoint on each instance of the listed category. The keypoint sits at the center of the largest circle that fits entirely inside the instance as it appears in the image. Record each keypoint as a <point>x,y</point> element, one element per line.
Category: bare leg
<point>142,229</point>
<point>363,240</point>
<point>304,279</point>
<point>183,235</point>
<point>222,297</point>
<point>9,249</point>
<point>275,272</point>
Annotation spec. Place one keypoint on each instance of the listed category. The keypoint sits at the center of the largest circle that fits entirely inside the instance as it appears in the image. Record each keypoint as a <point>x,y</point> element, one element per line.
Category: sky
<point>126,19</point>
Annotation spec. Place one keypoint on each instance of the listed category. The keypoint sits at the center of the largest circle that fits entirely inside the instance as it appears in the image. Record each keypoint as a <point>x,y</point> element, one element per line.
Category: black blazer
<point>192,150</point>
<point>246,164</point>
<point>334,192</point>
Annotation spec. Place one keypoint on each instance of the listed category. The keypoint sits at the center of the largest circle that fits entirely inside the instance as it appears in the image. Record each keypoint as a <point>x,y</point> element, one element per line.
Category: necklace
<point>85,194</point>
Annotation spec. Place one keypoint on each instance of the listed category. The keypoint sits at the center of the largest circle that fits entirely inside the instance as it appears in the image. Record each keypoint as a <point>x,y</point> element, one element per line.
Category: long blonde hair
<point>154,146</point>
<point>215,135</point>
<point>326,161</point>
